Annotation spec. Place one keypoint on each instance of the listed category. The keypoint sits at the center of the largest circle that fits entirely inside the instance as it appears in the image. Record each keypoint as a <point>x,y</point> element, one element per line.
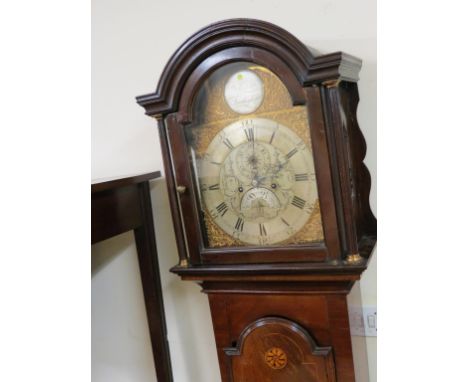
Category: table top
<point>103,184</point>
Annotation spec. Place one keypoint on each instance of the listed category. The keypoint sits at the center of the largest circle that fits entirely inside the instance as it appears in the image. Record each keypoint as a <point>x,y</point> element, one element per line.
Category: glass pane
<point>252,160</point>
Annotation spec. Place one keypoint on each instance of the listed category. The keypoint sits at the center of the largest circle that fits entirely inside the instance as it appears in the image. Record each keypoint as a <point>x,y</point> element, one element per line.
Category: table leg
<point>149,269</point>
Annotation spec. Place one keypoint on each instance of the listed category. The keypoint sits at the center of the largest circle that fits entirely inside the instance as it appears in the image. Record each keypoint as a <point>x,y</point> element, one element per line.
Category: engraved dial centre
<point>259,184</point>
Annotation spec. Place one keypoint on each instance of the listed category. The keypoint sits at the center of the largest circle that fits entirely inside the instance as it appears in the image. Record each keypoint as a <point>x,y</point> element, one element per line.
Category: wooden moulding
<point>310,327</point>
<point>278,349</point>
<point>225,34</point>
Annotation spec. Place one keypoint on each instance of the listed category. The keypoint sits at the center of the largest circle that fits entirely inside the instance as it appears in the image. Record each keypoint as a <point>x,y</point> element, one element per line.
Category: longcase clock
<point>269,195</point>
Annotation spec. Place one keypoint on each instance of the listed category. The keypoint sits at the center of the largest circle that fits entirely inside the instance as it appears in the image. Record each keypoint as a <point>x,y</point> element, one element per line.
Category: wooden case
<point>289,298</point>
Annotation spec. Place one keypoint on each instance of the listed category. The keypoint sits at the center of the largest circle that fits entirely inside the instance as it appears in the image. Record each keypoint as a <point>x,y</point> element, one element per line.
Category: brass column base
<point>354,259</point>
<point>183,263</point>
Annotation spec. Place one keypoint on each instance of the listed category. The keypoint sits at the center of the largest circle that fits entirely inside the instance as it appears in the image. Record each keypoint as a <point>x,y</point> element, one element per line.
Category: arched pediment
<point>214,38</point>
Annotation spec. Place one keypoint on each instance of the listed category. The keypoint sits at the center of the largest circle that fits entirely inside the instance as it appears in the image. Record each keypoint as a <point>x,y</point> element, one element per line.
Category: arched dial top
<point>258,181</point>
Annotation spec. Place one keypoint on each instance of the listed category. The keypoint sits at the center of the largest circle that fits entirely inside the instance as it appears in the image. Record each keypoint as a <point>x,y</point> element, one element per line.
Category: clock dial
<point>244,92</point>
<point>258,181</point>
<point>252,161</point>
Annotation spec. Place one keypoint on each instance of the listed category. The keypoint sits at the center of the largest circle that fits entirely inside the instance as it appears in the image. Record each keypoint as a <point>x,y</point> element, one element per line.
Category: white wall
<point>132,40</point>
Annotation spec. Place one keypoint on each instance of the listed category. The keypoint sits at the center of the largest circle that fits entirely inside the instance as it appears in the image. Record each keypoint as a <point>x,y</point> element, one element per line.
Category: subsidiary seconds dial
<point>258,181</point>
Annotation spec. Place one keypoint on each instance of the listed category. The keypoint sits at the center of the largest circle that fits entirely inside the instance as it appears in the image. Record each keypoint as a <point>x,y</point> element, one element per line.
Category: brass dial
<point>258,182</point>
<point>251,156</point>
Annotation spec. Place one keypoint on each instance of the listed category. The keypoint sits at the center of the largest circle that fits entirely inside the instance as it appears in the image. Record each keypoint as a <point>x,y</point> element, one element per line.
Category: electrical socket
<point>363,320</point>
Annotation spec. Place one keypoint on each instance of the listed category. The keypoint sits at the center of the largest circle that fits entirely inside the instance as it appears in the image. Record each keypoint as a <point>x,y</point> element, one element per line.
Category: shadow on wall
<point>104,252</point>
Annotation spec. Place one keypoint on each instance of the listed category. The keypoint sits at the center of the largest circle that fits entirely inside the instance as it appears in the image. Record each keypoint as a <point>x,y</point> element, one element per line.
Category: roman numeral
<point>298,202</point>
<point>301,177</point>
<point>214,187</point>
<point>291,153</point>
<point>262,230</point>
<point>228,143</point>
<point>239,224</point>
<point>222,208</point>
<point>249,133</point>
<point>285,222</point>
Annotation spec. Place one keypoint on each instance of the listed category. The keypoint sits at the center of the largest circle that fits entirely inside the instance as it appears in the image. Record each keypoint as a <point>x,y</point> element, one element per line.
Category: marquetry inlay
<point>276,358</point>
